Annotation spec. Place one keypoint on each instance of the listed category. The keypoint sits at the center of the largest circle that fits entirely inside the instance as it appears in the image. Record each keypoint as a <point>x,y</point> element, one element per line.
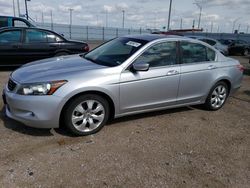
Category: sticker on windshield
<point>134,44</point>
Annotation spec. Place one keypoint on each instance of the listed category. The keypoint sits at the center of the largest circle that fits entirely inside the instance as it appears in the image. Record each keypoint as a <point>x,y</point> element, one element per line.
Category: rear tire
<point>217,96</point>
<point>245,52</point>
<point>86,114</point>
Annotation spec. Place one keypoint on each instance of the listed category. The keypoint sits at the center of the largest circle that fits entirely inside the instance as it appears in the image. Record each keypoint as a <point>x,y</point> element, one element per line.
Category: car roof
<point>152,37</point>
<point>14,28</point>
<point>201,37</point>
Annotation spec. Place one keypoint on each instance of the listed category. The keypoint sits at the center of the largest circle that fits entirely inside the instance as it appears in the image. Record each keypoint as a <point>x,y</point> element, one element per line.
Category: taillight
<point>86,48</point>
<point>240,68</point>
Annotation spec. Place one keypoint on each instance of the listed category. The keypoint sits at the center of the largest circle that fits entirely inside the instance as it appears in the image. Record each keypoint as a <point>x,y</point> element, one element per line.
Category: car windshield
<point>115,52</point>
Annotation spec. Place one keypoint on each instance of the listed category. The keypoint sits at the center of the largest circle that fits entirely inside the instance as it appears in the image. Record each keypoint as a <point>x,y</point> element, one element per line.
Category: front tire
<point>86,114</point>
<point>217,96</point>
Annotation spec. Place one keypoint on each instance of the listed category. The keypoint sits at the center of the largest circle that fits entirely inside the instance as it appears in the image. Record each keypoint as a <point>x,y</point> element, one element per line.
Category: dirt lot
<point>185,147</point>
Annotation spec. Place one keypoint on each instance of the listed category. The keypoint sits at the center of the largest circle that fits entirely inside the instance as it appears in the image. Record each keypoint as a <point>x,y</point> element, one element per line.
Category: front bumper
<point>33,111</point>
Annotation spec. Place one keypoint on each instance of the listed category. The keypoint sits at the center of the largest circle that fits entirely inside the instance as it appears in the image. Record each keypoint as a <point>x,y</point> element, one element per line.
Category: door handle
<point>211,67</point>
<point>172,72</point>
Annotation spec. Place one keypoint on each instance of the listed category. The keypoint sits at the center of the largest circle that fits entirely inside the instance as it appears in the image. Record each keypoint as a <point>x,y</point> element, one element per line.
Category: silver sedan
<point>124,76</point>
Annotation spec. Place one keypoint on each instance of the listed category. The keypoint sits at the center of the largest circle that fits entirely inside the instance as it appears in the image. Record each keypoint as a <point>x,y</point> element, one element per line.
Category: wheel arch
<point>95,92</point>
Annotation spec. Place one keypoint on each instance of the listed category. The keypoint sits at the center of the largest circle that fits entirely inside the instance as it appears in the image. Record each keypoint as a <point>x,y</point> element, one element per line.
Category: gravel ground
<point>184,147</point>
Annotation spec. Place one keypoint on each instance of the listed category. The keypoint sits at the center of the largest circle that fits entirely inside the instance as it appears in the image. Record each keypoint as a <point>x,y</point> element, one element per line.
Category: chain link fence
<point>90,33</point>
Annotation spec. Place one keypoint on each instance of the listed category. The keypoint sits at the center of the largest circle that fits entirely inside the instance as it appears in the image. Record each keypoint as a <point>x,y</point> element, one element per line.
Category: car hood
<point>47,68</point>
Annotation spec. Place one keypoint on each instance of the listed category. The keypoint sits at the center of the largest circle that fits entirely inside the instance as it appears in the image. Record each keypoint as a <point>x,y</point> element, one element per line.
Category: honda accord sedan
<point>20,45</point>
<point>124,76</point>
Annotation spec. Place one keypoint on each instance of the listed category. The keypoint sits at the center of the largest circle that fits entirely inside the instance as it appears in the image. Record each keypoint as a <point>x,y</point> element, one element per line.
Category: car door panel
<point>147,90</point>
<point>195,81</point>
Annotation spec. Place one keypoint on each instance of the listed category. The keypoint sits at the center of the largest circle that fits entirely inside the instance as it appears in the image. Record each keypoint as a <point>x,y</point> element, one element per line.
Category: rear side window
<point>52,37</point>
<point>162,54</point>
<point>3,22</point>
<point>210,54</point>
<point>10,36</point>
<point>19,23</point>
<point>196,53</point>
<point>211,42</point>
<point>34,36</point>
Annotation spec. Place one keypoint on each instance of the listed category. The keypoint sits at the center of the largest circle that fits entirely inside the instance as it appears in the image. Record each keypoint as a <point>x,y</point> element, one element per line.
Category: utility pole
<point>14,8</point>
<point>239,28</point>
<point>26,8</point>
<point>18,8</point>
<point>123,18</point>
<point>70,23</point>
<point>42,19</point>
<point>106,18</point>
<point>169,14</point>
<point>200,7</point>
<point>212,25</point>
<point>234,22</point>
<point>181,24</point>
<point>51,19</point>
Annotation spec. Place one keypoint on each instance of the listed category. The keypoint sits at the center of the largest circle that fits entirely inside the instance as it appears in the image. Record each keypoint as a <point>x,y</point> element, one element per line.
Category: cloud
<point>66,7</point>
<point>40,7</point>
<point>108,8</point>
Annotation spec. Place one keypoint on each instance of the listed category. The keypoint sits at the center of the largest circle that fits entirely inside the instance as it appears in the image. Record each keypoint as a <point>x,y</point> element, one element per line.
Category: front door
<point>10,44</point>
<point>155,88</point>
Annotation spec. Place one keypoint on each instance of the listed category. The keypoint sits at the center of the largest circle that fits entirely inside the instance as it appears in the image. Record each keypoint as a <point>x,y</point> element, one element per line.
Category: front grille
<point>11,85</point>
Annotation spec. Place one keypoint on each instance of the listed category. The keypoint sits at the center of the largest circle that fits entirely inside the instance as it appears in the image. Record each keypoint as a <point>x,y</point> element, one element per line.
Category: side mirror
<point>140,66</point>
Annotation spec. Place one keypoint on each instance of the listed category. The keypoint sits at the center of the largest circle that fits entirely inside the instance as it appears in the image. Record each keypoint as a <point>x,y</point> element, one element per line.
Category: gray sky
<point>221,14</point>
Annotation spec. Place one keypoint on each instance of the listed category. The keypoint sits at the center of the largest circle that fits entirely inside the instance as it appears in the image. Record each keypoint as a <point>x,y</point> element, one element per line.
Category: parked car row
<point>21,42</point>
<point>124,76</point>
<point>236,46</point>
<point>19,45</point>
<point>213,42</point>
<point>227,46</point>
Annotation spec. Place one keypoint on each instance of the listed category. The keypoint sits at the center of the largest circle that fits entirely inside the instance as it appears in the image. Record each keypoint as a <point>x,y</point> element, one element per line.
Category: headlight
<point>47,88</point>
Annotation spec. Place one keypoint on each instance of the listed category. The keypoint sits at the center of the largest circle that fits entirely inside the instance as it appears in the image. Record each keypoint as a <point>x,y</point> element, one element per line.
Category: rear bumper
<point>33,111</point>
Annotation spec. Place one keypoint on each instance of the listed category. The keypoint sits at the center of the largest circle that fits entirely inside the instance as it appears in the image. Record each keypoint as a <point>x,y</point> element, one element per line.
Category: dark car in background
<point>236,46</point>
<point>19,45</point>
<point>9,21</point>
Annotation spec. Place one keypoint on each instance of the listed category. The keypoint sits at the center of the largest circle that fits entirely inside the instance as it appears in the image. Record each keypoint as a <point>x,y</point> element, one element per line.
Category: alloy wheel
<point>218,96</point>
<point>88,115</point>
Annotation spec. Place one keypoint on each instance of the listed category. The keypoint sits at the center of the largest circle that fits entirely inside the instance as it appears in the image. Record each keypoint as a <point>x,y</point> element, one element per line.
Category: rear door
<point>198,71</point>
<point>10,44</point>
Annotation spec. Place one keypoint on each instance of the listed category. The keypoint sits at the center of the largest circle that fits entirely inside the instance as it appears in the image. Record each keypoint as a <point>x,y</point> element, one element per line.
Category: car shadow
<point>247,92</point>
<point>152,114</point>
<point>21,128</point>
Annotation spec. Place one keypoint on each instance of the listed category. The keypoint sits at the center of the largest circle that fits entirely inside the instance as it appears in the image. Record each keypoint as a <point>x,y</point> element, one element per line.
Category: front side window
<point>115,52</point>
<point>10,36</point>
<point>162,54</point>
<point>33,36</point>
<point>196,53</point>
